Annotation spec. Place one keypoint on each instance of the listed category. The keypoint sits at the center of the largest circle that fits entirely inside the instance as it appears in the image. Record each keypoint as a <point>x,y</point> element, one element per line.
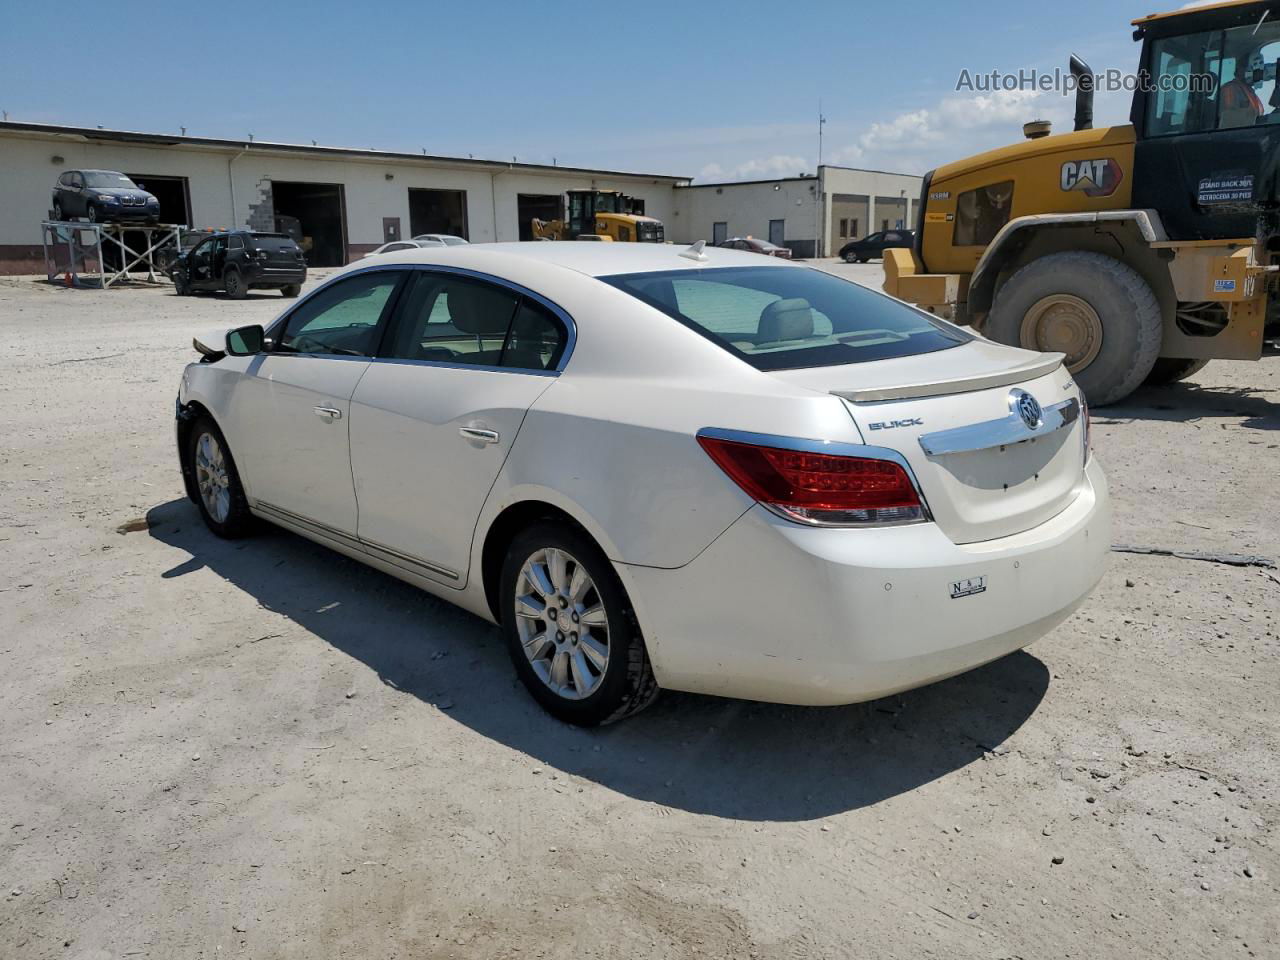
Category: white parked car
<point>396,246</point>
<point>653,467</point>
<point>440,240</point>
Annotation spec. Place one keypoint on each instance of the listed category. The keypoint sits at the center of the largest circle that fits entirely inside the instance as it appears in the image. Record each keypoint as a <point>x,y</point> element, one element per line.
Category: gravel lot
<point>262,749</point>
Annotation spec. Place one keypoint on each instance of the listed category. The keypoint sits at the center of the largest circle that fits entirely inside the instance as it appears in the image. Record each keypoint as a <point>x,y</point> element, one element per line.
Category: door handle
<point>475,433</point>
<point>332,413</point>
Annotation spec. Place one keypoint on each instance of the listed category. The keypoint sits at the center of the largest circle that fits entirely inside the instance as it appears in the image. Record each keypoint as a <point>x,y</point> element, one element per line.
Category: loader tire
<point>1173,369</point>
<point>1091,307</point>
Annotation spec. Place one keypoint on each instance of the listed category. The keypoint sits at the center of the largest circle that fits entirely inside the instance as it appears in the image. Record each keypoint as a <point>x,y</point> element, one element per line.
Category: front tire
<point>57,211</point>
<point>1173,369</point>
<point>570,630</point>
<point>91,214</point>
<point>180,286</point>
<point>234,284</point>
<point>219,493</point>
<point>1091,307</point>
<point>850,258</point>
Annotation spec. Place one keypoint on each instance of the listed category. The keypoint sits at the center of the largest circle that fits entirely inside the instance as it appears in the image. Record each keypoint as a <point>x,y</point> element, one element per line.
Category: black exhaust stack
<point>1084,93</point>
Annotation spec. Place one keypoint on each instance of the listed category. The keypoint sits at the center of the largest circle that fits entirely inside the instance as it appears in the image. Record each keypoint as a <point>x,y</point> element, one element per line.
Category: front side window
<point>788,318</point>
<point>343,318</point>
<point>1214,80</point>
<point>981,213</point>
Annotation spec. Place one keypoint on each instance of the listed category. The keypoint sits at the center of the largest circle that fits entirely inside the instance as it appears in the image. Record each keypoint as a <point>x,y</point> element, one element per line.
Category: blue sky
<point>703,89</point>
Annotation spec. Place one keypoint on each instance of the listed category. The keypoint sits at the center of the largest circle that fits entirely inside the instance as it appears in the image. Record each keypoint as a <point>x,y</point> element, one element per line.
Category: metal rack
<point>71,247</point>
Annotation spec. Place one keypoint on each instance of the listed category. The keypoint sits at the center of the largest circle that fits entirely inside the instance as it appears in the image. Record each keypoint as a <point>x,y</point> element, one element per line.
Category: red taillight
<point>818,487</point>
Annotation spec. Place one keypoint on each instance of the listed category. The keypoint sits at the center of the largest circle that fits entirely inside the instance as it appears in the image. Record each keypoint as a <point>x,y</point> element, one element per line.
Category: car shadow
<point>1187,402</point>
<point>706,755</point>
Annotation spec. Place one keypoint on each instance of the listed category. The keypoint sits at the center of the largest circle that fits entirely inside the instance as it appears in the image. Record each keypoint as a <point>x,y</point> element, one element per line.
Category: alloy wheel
<point>212,478</point>
<point>561,623</point>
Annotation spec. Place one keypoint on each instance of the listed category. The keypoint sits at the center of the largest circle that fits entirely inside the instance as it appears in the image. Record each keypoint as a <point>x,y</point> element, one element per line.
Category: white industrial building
<point>838,205</point>
<point>348,201</point>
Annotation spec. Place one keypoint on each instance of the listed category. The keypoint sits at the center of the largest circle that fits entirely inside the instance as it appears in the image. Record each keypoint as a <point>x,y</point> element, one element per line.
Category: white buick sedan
<point>662,467</point>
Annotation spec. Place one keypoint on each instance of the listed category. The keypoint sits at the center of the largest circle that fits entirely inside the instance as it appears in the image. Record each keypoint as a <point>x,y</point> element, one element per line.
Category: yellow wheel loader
<point>602,213</point>
<point>1140,251</point>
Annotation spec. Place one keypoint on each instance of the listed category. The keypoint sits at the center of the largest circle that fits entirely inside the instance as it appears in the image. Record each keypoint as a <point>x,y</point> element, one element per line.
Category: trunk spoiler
<point>1037,366</point>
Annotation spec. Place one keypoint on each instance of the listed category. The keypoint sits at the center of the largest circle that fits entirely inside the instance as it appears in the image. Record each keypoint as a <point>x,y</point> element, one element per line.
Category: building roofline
<point>171,140</point>
<point>809,178</point>
<point>888,173</point>
<point>743,183</point>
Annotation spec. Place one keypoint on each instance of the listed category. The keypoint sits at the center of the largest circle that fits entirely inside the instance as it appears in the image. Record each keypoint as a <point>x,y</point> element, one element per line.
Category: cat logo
<point>1097,178</point>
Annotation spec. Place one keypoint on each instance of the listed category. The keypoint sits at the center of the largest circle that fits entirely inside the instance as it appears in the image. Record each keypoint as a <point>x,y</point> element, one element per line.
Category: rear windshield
<point>272,242</point>
<point>785,318</point>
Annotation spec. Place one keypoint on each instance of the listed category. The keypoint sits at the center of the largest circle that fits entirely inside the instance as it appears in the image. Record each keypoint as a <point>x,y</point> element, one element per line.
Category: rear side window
<point>787,318</point>
<point>451,319</point>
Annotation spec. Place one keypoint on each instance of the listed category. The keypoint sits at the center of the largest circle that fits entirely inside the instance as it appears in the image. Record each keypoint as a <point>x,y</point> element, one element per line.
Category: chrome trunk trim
<point>999,433</point>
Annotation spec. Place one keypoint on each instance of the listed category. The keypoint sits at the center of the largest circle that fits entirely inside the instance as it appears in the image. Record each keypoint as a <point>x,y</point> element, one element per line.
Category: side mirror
<point>245,341</point>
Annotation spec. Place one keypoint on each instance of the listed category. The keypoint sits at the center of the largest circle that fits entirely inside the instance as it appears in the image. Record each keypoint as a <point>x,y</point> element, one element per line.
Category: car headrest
<point>785,320</point>
<point>480,310</point>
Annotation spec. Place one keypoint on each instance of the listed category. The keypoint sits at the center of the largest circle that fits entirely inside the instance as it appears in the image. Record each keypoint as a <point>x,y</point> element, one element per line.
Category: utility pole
<point>817,194</point>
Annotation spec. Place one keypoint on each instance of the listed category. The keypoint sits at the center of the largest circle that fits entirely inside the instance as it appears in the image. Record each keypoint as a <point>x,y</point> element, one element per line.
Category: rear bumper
<point>277,276</point>
<point>781,612</point>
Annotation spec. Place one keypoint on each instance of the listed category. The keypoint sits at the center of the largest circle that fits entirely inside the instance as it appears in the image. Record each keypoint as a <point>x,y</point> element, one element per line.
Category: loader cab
<point>585,204</point>
<point>1207,121</point>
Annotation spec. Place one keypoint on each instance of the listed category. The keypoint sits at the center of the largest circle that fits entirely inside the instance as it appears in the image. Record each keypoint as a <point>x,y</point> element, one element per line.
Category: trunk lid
<point>955,416</point>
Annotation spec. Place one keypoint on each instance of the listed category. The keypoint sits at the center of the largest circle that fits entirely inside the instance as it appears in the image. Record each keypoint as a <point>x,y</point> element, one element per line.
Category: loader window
<point>1215,80</point>
<point>981,213</point>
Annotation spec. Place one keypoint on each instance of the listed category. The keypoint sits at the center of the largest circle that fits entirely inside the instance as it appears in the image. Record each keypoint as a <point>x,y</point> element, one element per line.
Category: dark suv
<point>869,247</point>
<point>102,196</point>
<point>237,260</point>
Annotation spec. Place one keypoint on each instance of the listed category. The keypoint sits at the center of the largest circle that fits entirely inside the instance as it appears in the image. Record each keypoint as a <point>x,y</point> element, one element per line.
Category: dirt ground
<point>263,749</point>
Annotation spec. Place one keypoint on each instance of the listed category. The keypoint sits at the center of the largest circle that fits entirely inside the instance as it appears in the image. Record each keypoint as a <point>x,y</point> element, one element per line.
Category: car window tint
<point>341,319</point>
<point>537,339</point>
<point>454,320</point>
<point>729,310</point>
<point>781,318</point>
<point>235,243</point>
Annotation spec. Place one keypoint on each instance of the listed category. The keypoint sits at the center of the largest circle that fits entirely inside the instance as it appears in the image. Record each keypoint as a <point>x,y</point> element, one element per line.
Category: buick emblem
<point>1027,407</point>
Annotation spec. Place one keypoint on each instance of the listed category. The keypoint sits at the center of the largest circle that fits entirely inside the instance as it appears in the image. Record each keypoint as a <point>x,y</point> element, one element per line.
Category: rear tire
<point>57,211</point>
<point>1097,310</point>
<point>233,283</point>
<point>180,286</point>
<point>1173,369</point>
<point>291,290</point>
<point>559,660</point>
<point>219,493</point>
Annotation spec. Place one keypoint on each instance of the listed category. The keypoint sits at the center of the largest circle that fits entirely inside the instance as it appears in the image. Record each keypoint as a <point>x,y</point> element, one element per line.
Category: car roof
<point>592,259</point>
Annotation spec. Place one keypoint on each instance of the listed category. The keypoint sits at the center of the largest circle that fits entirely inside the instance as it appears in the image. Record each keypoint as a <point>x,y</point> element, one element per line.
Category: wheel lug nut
<point>559,637</point>
<point>574,616</point>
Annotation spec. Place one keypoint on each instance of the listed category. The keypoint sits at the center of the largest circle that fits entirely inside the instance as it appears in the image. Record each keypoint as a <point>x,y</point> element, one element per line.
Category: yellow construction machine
<point>600,213</point>
<point>1140,251</point>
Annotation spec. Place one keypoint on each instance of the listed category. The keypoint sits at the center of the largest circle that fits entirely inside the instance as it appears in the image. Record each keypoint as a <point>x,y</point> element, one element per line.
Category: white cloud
<point>955,127</point>
<point>778,165</point>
